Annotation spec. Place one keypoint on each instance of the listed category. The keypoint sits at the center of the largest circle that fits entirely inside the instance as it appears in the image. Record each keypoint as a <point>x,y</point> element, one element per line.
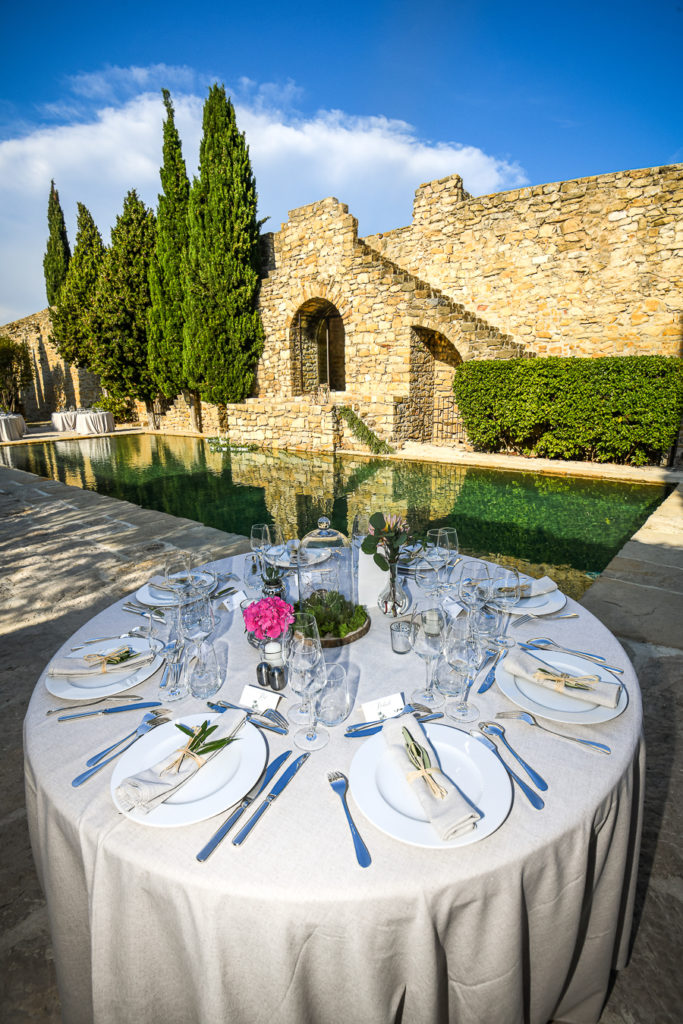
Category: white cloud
<point>113,144</point>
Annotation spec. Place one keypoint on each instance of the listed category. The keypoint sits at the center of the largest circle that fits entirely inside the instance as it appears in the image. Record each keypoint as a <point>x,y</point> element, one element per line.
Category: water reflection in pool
<point>568,527</point>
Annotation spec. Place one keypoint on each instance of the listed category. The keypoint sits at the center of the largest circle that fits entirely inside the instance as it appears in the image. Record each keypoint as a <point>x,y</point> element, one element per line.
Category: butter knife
<point>491,674</point>
<point>220,834</point>
<point>285,779</point>
<point>111,711</point>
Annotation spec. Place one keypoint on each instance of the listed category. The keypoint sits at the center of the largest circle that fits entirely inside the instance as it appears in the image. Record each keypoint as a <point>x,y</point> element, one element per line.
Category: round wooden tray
<point>338,641</point>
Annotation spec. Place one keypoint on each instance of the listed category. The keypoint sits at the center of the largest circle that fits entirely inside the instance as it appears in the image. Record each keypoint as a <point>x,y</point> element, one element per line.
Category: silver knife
<point>111,711</point>
<point>372,729</point>
<point>274,793</point>
<point>491,674</point>
<point>221,833</point>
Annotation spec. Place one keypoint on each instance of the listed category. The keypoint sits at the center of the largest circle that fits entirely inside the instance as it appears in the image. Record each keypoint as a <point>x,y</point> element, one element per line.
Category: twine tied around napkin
<point>116,657</point>
<point>561,679</point>
<point>420,758</point>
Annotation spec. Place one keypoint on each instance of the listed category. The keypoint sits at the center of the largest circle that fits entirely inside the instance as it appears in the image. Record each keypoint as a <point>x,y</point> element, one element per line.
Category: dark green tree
<point>121,306</point>
<point>57,253</point>
<point>72,327</point>
<point>165,318</point>
<point>223,334</point>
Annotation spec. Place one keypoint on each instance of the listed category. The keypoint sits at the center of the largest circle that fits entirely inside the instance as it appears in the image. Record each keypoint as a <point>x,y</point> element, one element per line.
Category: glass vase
<point>393,600</point>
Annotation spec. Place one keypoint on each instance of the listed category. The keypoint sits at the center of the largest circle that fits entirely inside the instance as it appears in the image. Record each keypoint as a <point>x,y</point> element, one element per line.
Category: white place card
<point>233,601</point>
<point>257,699</point>
<point>383,707</point>
<point>452,608</point>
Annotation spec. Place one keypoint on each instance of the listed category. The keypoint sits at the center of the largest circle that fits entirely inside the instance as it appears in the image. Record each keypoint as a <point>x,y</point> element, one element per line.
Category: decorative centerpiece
<point>268,621</point>
<point>384,541</point>
<point>339,621</point>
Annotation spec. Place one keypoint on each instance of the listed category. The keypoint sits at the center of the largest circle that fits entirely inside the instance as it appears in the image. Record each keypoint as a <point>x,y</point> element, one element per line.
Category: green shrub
<point>624,409</point>
<point>363,432</point>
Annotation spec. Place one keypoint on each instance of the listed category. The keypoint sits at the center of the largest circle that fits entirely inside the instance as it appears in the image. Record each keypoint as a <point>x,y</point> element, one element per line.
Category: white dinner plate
<point>109,683</point>
<point>387,800</point>
<point>156,598</point>
<point>218,785</point>
<point>542,604</point>
<point>558,707</point>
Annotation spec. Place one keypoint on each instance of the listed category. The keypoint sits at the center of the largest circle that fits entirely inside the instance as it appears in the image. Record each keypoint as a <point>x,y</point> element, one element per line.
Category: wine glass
<point>426,639</point>
<point>506,591</point>
<point>462,653</point>
<point>447,542</point>
<point>312,738</point>
<point>259,537</point>
<point>474,587</point>
<point>302,651</point>
<point>252,573</point>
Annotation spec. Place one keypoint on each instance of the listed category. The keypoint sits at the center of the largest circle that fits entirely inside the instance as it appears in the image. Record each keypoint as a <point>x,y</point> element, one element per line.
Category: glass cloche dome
<point>325,563</point>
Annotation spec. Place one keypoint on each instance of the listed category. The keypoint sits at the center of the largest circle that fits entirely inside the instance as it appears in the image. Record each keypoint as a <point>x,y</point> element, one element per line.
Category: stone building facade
<point>588,267</point>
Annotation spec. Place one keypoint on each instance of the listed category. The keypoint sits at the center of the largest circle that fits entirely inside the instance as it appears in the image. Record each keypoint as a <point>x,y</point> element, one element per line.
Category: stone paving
<point>66,554</point>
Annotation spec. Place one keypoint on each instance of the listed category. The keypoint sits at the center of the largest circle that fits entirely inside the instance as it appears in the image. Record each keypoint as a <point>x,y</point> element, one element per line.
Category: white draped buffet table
<point>62,421</point>
<point>523,926</point>
<point>12,427</point>
<point>94,423</point>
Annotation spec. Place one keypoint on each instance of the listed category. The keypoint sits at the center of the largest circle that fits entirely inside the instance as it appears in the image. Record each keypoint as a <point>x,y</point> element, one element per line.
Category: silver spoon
<point>491,729</point>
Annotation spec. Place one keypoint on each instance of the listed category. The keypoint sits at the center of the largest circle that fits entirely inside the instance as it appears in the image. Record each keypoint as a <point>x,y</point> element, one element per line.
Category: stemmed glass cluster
<point>435,573</point>
<point>194,665</point>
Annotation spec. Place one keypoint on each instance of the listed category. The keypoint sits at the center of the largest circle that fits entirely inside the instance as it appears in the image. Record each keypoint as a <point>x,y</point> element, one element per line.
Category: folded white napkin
<point>535,588</point>
<point>88,666</point>
<point>451,817</point>
<point>525,666</point>
<point>152,786</point>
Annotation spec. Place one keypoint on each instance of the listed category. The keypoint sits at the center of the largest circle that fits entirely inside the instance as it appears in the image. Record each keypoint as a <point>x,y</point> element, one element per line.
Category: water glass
<point>302,652</point>
<point>201,670</point>
<point>427,635</point>
<point>196,615</point>
<point>259,537</point>
<point>334,700</point>
<point>506,591</point>
<point>252,574</point>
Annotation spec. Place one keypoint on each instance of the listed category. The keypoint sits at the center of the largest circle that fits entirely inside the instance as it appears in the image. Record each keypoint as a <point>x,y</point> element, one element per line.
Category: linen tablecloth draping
<point>64,420</point>
<point>94,423</point>
<point>524,926</point>
<point>12,427</point>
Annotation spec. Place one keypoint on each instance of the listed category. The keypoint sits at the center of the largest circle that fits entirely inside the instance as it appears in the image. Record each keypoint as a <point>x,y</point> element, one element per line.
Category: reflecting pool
<point>568,527</point>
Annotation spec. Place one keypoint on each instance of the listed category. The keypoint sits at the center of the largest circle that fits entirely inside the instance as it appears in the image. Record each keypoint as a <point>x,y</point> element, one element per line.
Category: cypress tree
<point>72,326</point>
<point>165,319</point>
<point>121,305</point>
<point>223,334</point>
<point>57,253</point>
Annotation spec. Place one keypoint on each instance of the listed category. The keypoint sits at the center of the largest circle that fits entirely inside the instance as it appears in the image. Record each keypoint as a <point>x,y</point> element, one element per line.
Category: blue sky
<point>363,101</point>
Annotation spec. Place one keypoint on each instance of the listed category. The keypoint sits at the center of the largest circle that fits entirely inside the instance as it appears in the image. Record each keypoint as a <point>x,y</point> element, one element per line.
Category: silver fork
<point>143,728</point>
<point>409,709</point>
<point>339,783</point>
<point>527,618</point>
<point>275,716</point>
<point>149,717</point>
<point>524,716</point>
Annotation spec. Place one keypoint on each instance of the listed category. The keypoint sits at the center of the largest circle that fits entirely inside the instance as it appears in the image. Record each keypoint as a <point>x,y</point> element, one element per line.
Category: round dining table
<point>91,422</point>
<point>12,427</point>
<point>523,926</point>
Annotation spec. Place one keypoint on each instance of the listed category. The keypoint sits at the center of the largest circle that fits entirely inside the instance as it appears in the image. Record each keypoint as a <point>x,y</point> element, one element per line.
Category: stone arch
<point>317,347</point>
<point>433,359</point>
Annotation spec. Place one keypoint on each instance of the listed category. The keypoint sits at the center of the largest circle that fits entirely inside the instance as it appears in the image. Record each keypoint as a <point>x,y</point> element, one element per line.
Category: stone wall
<point>56,385</point>
<point>587,267</point>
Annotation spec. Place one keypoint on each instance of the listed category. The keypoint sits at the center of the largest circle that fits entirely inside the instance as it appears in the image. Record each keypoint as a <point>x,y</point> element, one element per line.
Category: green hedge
<point>624,409</point>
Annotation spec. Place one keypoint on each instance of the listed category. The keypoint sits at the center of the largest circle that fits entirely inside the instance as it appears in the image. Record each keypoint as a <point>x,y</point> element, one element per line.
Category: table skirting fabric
<point>523,927</point>
<point>64,420</point>
<point>94,423</point>
<point>12,427</point>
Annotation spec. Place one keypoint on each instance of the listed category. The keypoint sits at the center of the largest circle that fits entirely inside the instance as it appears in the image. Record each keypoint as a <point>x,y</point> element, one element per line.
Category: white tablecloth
<point>12,427</point>
<point>94,423</point>
<point>64,420</point>
<point>524,926</point>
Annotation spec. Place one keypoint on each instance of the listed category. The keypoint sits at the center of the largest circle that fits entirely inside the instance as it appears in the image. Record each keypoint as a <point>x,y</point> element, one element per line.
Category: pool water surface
<point>567,527</point>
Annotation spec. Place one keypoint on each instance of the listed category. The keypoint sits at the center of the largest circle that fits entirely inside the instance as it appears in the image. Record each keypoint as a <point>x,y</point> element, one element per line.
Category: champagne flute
<point>506,591</point>
<point>474,588</point>
<point>427,634</point>
<point>463,655</point>
<point>302,652</point>
<point>312,738</point>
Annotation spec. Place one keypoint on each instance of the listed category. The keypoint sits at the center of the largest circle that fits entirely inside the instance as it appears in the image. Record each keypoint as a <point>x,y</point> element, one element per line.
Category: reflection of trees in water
<point>538,520</point>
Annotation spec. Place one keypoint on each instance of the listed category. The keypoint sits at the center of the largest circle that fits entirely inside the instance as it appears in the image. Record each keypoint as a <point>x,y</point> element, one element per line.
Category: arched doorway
<point>317,348</point>
<point>433,413</point>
